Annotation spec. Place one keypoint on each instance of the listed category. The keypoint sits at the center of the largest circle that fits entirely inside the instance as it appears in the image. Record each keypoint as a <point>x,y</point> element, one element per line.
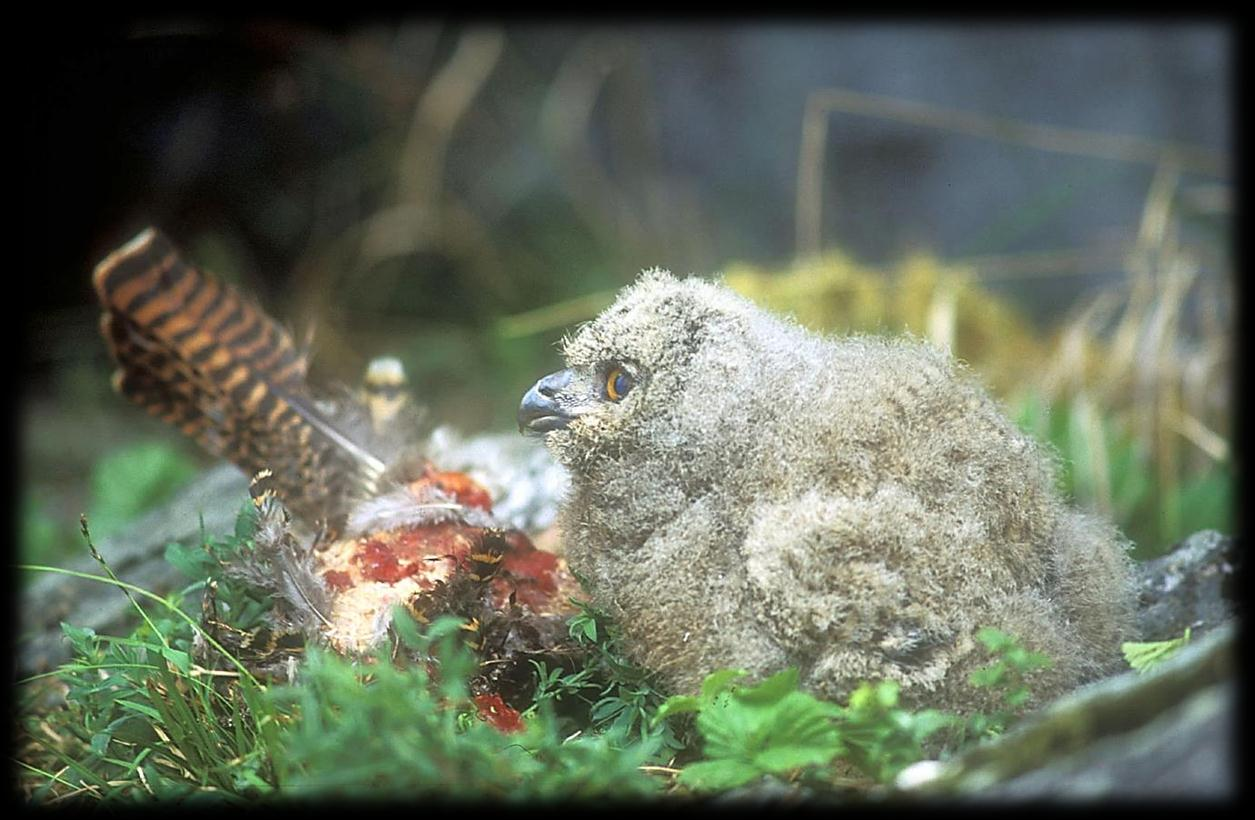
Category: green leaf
<point>987,675</point>
<point>193,561</point>
<point>141,708</point>
<point>771,689</point>
<point>716,775</point>
<point>606,708</point>
<point>1147,655</point>
<point>246,521</point>
<point>443,627</point>
<point>676,705</point>
<point>767,728</point>
<point>887,694</point>
<point>994,640</point>
<point>729,731</point>
<point>407,629</point>
<point>100,743</point>
<point>780,760</point>
<point>82,638</point>
<point>1017,697</point>
<point>132,479</point>
<point>863,697</point>
<point>928,721</point>
<point>181,660</point>
<point>718,681</point>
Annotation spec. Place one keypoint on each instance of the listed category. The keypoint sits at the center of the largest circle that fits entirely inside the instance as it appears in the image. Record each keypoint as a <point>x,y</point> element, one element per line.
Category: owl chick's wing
<point>879,588</point>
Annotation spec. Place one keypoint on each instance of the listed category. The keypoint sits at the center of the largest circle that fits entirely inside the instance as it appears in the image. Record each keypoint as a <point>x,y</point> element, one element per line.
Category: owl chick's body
<point>745,493</point>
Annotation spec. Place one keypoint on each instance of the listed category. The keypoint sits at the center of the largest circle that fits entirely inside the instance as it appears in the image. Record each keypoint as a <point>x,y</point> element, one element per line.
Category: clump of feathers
<point>524,481</point>
<point>403,507</point>
<point>285,568</point>
<point>858,507</point>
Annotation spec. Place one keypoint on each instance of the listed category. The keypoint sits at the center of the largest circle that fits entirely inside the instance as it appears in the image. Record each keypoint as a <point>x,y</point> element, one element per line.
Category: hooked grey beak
<point>539,412</point>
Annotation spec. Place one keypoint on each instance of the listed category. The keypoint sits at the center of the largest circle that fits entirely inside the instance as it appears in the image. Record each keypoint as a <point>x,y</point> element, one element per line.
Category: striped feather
<point>196,354</point>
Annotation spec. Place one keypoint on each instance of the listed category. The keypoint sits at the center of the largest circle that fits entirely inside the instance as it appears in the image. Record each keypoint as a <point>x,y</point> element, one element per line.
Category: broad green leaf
<point>987,675</point>
<point>193,561</point>
<point>880,695</point>
<point>246,521</point>
<point>928,721</point>
<point>181,660</point>
<point>994,639</point>
<point>1146,655</point>
<point>771,689</point>
<point>100,743</point>
<point>730,731</point>
<point>677,705</point>
<point>82,638</point>
<point>779,760</point>
<point>606,708</point>
<point>406,628</point>
<point>142,708</point>
<point>129,480</point>
<point>718,681</point>
<point>715,775</point>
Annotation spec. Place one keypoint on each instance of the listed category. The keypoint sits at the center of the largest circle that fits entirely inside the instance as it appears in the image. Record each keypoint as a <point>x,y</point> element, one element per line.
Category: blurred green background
<point>1050,201</point>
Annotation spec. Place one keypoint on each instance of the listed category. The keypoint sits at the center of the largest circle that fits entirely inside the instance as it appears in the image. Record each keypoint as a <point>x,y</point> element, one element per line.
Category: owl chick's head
<point>654,372</point>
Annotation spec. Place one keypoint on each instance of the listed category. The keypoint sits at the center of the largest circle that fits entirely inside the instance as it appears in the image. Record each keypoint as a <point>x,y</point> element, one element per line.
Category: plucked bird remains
<point>745,493</point>
<point>373,523</point>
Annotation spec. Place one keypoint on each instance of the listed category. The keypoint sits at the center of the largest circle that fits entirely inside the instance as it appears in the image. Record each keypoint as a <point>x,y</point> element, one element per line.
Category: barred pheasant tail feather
<point>195,353</point>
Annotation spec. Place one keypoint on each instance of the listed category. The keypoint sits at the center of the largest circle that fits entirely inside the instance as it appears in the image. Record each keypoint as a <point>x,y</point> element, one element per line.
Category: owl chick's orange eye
<point>618,383</point>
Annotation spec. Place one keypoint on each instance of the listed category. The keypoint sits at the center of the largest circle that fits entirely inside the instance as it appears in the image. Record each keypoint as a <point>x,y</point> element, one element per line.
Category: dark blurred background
<point>458,195</point>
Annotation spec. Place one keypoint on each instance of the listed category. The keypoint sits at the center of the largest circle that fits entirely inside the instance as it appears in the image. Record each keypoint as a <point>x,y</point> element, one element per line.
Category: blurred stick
<point>409,224</point>
<point>810,175</point>
<point>558,314</point>
<point>1152,230</point>
<point>565,115</point>
<point>336,260</point>
<point>1092,455</point>
<point>943,315</point>
<point>1202,437</point>
<point>1103,145</point>
<point>1032,264</point>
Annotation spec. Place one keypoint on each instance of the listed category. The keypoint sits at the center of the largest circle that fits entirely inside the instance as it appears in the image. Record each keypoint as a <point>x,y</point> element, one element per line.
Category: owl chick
<point>746,493</point>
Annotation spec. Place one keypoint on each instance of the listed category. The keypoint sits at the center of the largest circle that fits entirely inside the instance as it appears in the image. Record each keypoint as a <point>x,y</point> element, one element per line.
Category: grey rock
<point>1166,734</point>
<point>1192,586</point>
<point>136,555</point>
<point>1186,753</point>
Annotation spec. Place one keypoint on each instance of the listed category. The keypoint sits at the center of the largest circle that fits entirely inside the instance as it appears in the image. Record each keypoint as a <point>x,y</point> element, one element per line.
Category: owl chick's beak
<point>539,412</point>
